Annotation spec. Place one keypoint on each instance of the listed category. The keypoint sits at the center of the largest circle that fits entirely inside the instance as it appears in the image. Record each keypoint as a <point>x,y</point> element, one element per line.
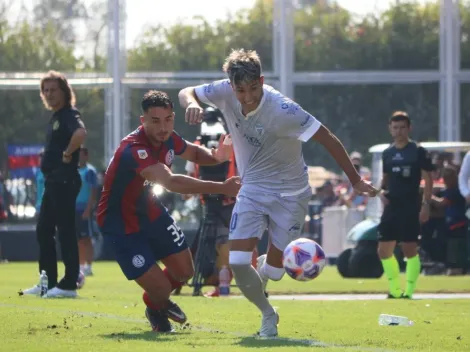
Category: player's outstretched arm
<point>189,101</point>
<point>213,94</point>
<point>161,174</point>
<point>427,167</point>
<point>203,156</point>
<point>336,149</point>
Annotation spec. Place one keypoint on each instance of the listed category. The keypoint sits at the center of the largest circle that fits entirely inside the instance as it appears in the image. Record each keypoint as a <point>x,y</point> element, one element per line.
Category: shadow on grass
<point>255,342</point>
<point>143,335</point>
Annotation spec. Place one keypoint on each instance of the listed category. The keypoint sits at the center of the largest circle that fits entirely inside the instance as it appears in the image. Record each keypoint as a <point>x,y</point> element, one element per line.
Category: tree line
<point>327,37</point>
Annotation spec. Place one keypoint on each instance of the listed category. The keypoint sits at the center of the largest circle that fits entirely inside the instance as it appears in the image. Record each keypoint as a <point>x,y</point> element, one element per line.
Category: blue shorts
<point>84,228</point>
<point>137,252</point>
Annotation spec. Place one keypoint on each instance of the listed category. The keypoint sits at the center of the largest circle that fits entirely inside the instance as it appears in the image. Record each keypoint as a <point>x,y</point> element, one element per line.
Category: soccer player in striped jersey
<point>139,226</point>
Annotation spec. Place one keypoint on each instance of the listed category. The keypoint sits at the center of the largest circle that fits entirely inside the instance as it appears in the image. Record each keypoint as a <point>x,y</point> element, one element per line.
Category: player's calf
<point>249,281</point>
<point>179,269</point>
<point>157,290</point>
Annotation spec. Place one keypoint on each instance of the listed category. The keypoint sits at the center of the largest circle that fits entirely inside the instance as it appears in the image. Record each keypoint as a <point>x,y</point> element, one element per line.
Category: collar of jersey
<point>251,113</point>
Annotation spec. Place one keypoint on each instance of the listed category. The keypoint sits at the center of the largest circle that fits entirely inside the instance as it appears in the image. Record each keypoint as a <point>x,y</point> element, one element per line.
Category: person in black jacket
<point>65,134</point>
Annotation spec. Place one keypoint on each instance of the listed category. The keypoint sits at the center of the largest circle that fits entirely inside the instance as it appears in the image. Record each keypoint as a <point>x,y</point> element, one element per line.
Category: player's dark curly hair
<point>63,85</point>
<point>156,99</point>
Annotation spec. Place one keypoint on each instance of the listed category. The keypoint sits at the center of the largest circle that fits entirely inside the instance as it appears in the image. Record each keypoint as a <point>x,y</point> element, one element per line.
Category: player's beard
<point>160,138</point>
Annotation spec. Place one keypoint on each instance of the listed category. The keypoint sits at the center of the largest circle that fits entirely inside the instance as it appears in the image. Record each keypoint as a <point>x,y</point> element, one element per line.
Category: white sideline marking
<point>359,297</point>
<point>306,342</point>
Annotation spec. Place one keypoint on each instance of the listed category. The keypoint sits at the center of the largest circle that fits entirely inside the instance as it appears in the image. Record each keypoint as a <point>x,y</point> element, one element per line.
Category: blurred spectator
<point>434,232</point>
<point>356,159</point>
<point>347,195</point>
<point>85,212</point>
<point>351,199</point>
<point>3,199</point>
<point>456,221</point>
<point>327,195</point>
<point>440,160</point>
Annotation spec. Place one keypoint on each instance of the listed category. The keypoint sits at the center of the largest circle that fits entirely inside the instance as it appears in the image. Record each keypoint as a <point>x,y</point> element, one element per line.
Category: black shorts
<point>137,252</point>
<point>399,222</point>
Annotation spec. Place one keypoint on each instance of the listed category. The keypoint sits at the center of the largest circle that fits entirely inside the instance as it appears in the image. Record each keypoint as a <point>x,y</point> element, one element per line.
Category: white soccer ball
<point>303,259</point>
<point>80,280</point>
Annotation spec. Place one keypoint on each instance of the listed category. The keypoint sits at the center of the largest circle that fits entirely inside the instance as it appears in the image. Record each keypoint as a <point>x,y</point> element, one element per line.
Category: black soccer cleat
<point>390,296</point>
<point>158,320</point>
<point>175,313</point>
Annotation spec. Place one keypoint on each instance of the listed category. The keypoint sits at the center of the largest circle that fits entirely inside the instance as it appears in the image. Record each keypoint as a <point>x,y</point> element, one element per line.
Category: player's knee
<point>237,258</point>
<point>385,250</point>
<point>409,250</point>
<point>272,272</point>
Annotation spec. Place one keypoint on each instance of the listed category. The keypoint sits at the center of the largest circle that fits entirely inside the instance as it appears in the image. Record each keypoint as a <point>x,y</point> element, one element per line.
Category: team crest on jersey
<point>290,106</point>
<point>406,172</point>
<point>56,125</point>
<point>209,88</point>
<point>170,156</point>
<point>259,128</point>
<point>142,153</point>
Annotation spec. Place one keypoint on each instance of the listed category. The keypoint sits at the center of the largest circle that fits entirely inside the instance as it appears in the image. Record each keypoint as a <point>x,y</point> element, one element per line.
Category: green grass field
<point>108,316</point>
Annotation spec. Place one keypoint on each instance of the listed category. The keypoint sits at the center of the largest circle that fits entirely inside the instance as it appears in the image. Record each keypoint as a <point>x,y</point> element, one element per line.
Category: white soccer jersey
<point>268,141</point>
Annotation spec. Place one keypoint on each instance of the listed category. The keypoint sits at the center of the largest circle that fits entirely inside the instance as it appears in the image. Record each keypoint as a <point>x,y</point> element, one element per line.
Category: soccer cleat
<point>87,271</point>
<point>175,313</point>
<point>390,296</point>
<point>405,296</point>
<point>259,263</point>
<point>35,290</point>
<point>57,292</point>
<point>269,325</point>
<point>158,320</point>
<point>214,293</point>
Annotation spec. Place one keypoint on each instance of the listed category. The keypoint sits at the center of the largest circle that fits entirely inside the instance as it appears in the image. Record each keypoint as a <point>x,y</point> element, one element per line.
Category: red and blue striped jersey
<point>128,204</point>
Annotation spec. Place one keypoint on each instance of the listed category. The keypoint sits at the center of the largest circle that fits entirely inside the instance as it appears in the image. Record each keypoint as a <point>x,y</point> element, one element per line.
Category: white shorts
<point>284,218</point>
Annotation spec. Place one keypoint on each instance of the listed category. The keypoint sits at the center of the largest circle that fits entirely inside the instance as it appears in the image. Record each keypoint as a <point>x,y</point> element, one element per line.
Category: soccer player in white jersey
<point>267,131</point>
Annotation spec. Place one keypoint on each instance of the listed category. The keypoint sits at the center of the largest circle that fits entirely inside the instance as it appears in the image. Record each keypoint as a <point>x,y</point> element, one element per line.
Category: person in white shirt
<point>464,178</point>
<point>267,130</point>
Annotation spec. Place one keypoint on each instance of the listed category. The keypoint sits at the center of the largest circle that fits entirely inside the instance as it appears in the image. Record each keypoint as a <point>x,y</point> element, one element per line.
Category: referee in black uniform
<point>405,163</point>
<point>65,134</point>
